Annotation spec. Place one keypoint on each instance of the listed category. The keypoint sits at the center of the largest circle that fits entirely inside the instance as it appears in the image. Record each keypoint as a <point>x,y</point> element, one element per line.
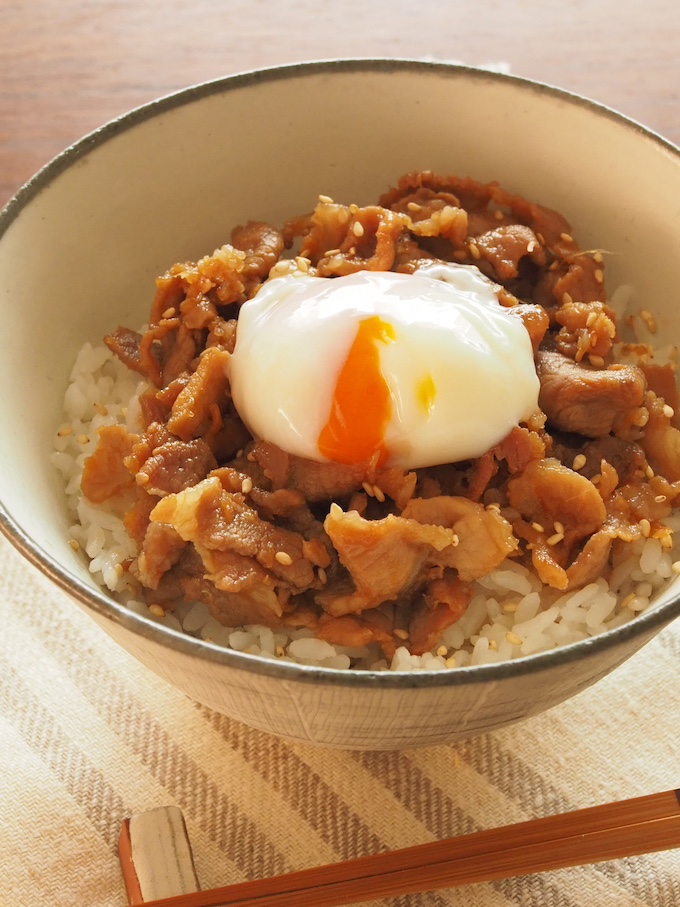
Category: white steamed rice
<point>511,613</point>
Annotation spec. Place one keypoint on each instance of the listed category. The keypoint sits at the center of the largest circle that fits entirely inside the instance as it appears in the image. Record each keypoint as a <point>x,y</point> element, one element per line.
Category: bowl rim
<point>646,624</point>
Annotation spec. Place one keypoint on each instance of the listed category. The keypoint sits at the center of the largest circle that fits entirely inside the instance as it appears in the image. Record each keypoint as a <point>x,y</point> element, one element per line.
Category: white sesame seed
<point>666,539</point>
<point>357,228</point>
<point>645,527</point>
<point>537,527</point>
<point>157,610</point>
<point>668,411</point>
<point>401,634</point>
<point>378,494</point>
<point>579,462</point>
<point>628,599</point>
<point>649,320</point>
<point>566,237</point>
<point>283,558</point>
<point>368,488</point>
<point>247,485</point>
<point>513,638</point>
<point>75,544</point>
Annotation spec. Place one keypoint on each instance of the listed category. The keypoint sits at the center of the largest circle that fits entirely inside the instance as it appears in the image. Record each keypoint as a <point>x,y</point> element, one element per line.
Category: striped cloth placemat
<point>88,737</point>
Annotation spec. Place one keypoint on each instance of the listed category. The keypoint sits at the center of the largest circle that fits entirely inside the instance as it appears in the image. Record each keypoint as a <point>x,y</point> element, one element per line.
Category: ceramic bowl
<point>82,242</point>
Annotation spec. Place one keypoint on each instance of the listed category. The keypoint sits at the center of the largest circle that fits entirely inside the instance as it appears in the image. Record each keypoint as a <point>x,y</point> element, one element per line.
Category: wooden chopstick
<point>611,831</point>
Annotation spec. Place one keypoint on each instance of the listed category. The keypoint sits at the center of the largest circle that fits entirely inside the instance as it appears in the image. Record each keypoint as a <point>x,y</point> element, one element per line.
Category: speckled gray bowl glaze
<point>82,242</point>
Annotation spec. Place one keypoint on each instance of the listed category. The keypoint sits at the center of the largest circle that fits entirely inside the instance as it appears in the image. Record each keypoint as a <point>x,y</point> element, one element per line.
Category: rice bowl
<point>362,709</point>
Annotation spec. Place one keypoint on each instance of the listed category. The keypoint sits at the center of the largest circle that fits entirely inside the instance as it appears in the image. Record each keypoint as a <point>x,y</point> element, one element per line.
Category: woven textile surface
<point>88,737</point>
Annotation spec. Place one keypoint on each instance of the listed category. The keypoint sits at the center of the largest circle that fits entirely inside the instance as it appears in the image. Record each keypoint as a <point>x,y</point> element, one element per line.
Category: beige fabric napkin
<point>88,737</point>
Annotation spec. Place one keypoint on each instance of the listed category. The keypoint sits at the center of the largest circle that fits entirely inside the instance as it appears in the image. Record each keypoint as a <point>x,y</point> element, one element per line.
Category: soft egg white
<point>433,354</point>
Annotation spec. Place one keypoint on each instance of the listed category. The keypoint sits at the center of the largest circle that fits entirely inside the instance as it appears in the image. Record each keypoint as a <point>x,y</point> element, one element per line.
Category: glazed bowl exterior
<point>81,244</point>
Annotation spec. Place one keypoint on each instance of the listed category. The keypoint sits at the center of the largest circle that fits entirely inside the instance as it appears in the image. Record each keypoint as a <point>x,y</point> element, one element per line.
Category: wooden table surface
<point>68,66</point>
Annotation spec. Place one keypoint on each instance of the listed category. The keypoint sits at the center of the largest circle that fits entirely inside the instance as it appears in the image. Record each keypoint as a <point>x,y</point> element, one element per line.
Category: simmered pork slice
<point>548,492</point>
<point>389,557</point>
<point>535,320</point>
<point>124,342</point>
<point>178,350</point>
<point>588,401</point>
<point>661,441</point>
<point>505,246</point>
<point>588,329</point>
<point>375,625</point>
<point>445,601</point>
<point>343,241</point>
<point>519,447</point>
<point>434,214</point>
<point>237,589</point>
<point>217,520</point>
<point>283,502</point>
<point>418,627</point>
<point>591,561</point>
<point>104,473</point>
<point>315,481</point>
<point>626,457</point>
<point>161,549</point>
<point>323,481</point>
<point>262,245</point>
<point>385,558</point>
<point>175,465</point>
<point>484,536</point>
<point>198,403</point>
<point>559,508</point>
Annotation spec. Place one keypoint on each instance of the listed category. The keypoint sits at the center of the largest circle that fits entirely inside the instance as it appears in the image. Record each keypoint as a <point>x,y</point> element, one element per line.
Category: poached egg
<point>408,370</point>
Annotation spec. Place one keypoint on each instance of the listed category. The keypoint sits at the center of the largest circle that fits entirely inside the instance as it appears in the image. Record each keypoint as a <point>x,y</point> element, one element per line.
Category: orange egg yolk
<point>362,404</point>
